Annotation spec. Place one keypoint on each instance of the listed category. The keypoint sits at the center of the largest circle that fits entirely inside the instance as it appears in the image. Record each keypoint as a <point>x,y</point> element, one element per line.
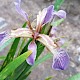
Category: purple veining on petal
<point>2,36</point>
<point>19,10</point>
<point>49,14</point>
<point>61,60</point>
<point>60,13</point>
<point>31,59</point>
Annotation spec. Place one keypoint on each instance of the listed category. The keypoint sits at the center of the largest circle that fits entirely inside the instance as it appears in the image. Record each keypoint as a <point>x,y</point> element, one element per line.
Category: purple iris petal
<point>49,14</point>
<point>61,60</point>
<point>60,13</point>
<point>31,59</point>
<point>19,10</point>
<point>2,36</point>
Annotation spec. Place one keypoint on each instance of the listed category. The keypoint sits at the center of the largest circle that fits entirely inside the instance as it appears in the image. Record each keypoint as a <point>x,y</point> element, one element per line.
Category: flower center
<point>35,35</point>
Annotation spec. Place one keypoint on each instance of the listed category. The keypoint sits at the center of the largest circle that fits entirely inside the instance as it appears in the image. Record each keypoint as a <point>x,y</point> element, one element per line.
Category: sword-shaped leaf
<point>13,65</point>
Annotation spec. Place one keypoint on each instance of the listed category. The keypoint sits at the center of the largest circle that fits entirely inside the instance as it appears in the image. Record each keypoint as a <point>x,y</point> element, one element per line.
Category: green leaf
<point>23,66</point>
<point>2,57</point>
<point>56,23</point>
<point>24,25</point>
<point>57,4</point>
<point>11,53</point>
<point>6,44</point>
<point>12,50</point>
<point>37,62</point>
<point>13,65</point>
<point>75,77</point>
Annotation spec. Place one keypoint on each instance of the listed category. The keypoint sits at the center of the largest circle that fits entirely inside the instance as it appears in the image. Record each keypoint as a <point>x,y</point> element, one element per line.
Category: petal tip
<point>31,59</point>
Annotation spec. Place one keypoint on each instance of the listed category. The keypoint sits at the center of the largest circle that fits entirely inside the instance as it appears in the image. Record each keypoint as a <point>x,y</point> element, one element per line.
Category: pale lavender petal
<point>2,36</point>
<point>54,30</point>
<point>60,13</point>
<point>41,16</point>
<point>61,60</point>
<point>21,32</point>
<point>49,14</point>
<point>19,10</point>
<point>33,47</point>
<point>47,41</point>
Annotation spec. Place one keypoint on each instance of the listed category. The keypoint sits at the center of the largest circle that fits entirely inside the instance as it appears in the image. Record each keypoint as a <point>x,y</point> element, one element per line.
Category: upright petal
<point>45,15</point>
<point>60,13</point>
<point>31,59</point>
<point>21,32</point>
<point>19,10</point>
<point>61,60</point>
<point>49,14</point>
<point>47,41</point>
<point>41,16</point>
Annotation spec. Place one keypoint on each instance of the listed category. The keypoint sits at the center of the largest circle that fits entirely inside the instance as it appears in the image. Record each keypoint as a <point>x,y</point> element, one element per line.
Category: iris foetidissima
<point>60,56</point>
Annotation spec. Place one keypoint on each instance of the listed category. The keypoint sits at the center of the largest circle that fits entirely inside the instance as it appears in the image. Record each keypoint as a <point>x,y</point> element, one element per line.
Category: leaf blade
<point>37,62</point>
<point>16,62</point>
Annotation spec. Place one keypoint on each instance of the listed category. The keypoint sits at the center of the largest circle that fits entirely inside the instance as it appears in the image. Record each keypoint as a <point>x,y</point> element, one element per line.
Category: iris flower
<point>60,58</point>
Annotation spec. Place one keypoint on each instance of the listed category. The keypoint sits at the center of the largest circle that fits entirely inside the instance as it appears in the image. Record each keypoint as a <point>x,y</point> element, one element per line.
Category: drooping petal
<point>61,60</point>
<point>21,32</point>
<point>60,13</point>
<point>47,41</point>
<point>45,16</point>
<point>31,59</point>
<point>19,10</point>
